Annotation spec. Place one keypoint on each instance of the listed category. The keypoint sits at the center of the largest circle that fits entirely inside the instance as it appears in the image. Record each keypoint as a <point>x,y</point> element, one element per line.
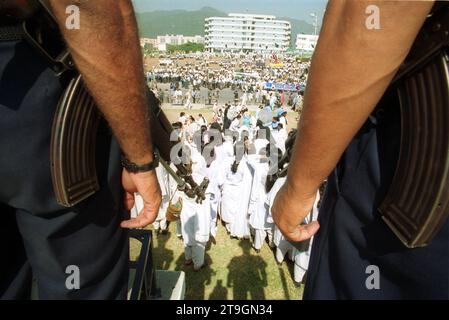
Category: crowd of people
<point>230,70</point>
<point>248,75</point>
<point>189,97</point>
<point>236,152</point>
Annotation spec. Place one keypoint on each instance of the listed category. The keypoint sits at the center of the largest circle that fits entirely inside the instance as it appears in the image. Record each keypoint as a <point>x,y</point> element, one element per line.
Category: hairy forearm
<point>106,51</point>
<point>351,69</point>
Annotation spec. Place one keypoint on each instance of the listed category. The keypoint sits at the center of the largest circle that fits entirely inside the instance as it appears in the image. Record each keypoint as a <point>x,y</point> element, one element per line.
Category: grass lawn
<point>234,271</point>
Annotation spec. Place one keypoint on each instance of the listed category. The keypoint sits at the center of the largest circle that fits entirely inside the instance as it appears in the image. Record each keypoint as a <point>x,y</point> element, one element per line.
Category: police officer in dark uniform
<point>355,255</point>
<point>37,235</point>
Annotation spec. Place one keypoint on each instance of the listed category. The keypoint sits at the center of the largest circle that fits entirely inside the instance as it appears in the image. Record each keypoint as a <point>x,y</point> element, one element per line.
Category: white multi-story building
<point>163,41</point>
<point>306,42</point>
<point>148,41</point>
<point>247,32</point>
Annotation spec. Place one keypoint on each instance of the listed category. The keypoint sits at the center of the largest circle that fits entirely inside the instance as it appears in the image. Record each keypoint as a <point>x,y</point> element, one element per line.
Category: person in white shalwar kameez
<point>195,222</point>
<point>195,217</point>
<point>235,199</point>
<point>230,195</point>
<point>235,124</point>
<point>175,195</point>
<point>281,137</point>
<point>302,257</point>
<point>216,179</point>
<point>283,247</point>
<point>160,224</point>
<point>258,209</point>
<point>240,224</point>
<point>226,153</point>
<point>214,194</point>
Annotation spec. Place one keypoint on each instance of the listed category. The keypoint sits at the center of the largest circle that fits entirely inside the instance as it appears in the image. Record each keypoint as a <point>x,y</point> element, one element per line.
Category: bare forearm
<point>351,69</point>
<point>107,53</point>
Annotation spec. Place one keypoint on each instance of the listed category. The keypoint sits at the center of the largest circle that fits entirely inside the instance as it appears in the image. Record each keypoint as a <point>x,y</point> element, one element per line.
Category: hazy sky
<point>298,9</point>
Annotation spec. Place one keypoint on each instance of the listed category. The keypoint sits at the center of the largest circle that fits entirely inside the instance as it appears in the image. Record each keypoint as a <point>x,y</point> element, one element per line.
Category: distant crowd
<point>245,74</point>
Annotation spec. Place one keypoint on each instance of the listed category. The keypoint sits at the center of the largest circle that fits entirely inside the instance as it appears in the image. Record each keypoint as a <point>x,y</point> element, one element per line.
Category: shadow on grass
<point>164,256</point>
<point>290,266</point>
<point>247,275</point>
<point>288,260</point>
<point>196,282</point>
<point>284,283</point>
<point>220,292</point>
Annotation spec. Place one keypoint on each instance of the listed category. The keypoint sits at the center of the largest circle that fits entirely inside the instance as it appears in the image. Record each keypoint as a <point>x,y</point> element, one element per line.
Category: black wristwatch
<point>135,168</point>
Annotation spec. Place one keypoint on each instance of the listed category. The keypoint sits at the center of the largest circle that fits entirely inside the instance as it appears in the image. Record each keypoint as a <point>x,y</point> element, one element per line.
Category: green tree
<point>187,47</point>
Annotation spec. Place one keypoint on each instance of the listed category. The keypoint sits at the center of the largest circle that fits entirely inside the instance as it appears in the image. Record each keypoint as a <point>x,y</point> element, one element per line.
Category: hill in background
<point>190,23</point>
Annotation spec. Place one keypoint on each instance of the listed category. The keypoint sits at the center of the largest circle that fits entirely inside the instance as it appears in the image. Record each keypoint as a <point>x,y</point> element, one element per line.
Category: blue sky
<point>297,9</point>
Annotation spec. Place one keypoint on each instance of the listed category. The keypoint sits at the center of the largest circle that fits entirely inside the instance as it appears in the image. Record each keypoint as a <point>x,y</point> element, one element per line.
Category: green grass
<point>185,48</point>
<point>234,271</point>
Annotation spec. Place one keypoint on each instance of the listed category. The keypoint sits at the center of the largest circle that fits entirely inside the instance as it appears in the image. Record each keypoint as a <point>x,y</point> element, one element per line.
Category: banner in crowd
<point>283,86</point>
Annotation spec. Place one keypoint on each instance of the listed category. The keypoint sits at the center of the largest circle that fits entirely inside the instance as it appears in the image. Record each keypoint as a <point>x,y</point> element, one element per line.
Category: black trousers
<point>353,238</point>
<point>36,234</point>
